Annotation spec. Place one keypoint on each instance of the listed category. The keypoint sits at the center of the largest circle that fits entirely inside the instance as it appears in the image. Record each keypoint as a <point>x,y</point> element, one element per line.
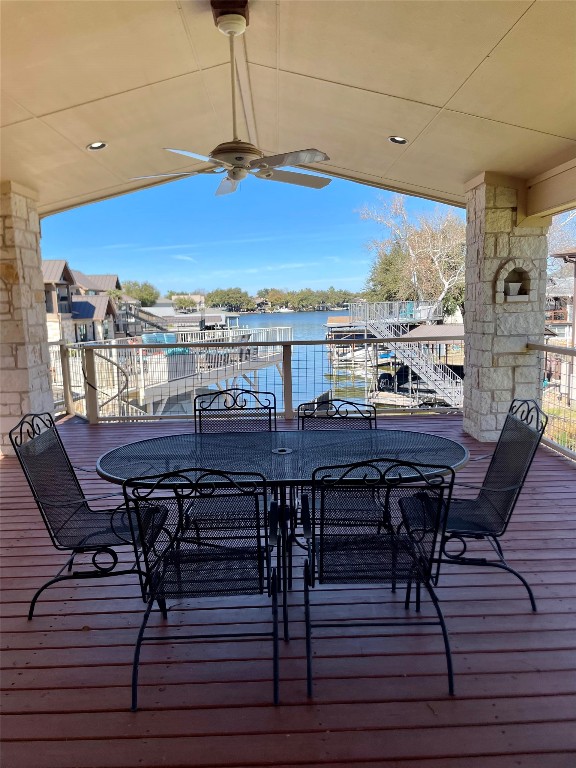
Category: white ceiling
<point>475,86</point>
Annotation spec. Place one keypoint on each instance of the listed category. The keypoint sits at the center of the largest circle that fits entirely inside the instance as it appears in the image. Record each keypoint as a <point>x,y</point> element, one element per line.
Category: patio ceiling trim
<point>540,197</point>
<point>553,191</point>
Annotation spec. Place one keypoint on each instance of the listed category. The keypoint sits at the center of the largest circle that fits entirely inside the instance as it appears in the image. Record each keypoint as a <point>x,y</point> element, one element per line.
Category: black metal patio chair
<point>337,414</point>
<point>331,413</point>
<point>215,541</point>
<point>376,522</point>
<point>73,525</point>
<point>235,410</point>
<point>485,518</point>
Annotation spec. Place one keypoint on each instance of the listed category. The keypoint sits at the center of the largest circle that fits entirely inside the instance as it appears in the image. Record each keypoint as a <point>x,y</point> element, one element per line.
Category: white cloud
<point>184,258</point>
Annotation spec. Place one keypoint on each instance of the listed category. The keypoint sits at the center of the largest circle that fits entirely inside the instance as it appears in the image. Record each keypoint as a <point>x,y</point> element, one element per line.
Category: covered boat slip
<point>380,694</point>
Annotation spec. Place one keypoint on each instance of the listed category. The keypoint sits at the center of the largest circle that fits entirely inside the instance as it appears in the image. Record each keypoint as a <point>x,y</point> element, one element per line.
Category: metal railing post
<point>66,380</point>
<point>287,380</point>
<point>90,385</point>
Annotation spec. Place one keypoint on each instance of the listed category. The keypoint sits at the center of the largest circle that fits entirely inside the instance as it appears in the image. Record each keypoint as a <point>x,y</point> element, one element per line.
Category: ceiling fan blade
<point>189,154</point>
<point>298,157</point>
<point>194,155</point>
<point>289,177</point>
<point>227,186</point>
<point>182,174</point>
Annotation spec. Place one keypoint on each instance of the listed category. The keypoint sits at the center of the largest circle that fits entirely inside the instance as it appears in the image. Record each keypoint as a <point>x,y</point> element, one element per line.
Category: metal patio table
<point>286,459</point>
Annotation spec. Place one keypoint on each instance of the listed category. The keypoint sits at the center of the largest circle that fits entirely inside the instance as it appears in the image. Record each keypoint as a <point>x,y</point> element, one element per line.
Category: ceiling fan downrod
<point>232,24</point>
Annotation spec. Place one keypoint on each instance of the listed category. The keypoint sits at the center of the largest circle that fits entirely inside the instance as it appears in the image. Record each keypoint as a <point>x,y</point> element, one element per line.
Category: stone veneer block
<point>24,360</point>
<point>498,368</point>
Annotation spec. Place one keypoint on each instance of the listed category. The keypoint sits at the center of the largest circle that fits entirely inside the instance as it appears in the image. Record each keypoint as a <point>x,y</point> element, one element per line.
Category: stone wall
<point>498,327</point>
<point>24,358</point>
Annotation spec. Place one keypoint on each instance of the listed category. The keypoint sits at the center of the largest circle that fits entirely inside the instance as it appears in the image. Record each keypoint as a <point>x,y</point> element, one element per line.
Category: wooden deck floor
<point>380,696</point>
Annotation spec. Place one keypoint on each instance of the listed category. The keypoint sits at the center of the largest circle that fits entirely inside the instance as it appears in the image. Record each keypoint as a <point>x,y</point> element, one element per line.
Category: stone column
<point>498,326</point>
<point>24,358</point>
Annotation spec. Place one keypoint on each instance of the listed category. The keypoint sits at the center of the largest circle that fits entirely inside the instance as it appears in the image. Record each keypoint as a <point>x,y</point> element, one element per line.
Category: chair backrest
<point>48,470</point>
<point>365,514</point>
<point>522,431</point>
<point>336,414</point>
<point>235,410</point>
<point>211,522</point>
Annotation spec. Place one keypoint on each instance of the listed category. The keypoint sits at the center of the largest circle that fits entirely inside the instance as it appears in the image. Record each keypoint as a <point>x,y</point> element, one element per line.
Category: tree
<point>184,302</point>
<point>277,298</point>
<point>421,260</point>
<point>232,299</point>
<point>390,278</point>
<point>561,237</point>
<point>146,293</point>
<point>115,294</point>
<point>303,300</point>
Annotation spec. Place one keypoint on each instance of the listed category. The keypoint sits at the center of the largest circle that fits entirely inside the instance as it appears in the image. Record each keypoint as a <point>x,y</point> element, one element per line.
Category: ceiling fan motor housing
<point>236,153</point>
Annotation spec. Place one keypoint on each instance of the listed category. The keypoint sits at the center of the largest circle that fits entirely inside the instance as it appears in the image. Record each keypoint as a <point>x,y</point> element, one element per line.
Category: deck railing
<point>126,381</point>
<point>558,378</point>
<point>122,382</point>
<point>396,311</point>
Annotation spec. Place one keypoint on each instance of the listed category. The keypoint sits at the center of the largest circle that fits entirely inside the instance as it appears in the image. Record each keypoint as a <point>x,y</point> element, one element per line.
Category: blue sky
<point>180,236</point>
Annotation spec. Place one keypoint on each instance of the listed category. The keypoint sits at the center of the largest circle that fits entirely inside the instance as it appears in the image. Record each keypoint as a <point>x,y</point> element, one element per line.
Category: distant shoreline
<point>277,312</point>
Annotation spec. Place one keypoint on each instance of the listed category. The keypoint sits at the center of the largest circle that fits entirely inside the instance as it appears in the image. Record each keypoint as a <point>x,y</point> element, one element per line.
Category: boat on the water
<point>362,355</point>
<point>284,309</point>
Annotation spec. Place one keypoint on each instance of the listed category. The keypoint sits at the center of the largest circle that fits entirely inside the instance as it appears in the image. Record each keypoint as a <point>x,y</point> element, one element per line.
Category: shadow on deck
<point>380,696</point>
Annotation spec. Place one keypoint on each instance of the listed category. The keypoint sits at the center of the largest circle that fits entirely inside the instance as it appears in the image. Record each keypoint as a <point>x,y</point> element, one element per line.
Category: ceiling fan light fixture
<point>397,139</point>
<point>94,146</point>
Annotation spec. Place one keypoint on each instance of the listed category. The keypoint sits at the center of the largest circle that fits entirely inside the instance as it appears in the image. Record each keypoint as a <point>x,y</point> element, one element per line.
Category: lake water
<point>311,372</point>
<point>305,325</point>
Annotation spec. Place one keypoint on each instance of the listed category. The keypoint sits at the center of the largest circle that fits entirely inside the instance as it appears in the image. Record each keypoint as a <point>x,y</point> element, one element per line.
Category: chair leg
<point>289,543</point>
<point>447,650</point>
<point>55,580</point>
<point>502,564</point>
<point>162,606</point>
<point>136,661</point>
<point>69,575</point>
<point>506,567</point>
<point>275,664</point>
<point>408,593</point>
<point>282,576</point>
<point>308,630</point>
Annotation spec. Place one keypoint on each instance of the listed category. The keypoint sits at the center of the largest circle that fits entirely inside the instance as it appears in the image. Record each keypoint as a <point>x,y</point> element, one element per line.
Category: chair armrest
<point>91,470</point>
<point>48,502</point>
<point>487,488</point>
<point>104,496</point>
<point>305,516</point>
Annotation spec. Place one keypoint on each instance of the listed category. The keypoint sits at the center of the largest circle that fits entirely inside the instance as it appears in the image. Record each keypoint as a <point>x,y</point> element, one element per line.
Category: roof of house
<point>92,307</point>
<point>106,282</point>
<point>57,271</point>
<point>96,282</point>
<point>84,281</point>
<point>440,332</point>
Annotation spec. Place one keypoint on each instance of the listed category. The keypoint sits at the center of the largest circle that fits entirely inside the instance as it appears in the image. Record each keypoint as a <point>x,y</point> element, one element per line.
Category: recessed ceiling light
<point>397,140</point>
<point>96,145</point>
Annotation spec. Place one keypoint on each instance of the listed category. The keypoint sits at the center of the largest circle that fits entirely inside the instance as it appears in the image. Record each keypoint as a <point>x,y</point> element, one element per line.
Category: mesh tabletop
<point>286,458</point>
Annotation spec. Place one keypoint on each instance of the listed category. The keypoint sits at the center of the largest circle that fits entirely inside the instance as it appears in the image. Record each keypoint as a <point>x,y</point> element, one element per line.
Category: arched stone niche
<point>514,283</point>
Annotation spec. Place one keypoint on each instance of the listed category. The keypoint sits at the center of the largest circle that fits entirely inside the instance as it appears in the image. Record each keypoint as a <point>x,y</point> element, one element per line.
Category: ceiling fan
<point>239,159</point>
